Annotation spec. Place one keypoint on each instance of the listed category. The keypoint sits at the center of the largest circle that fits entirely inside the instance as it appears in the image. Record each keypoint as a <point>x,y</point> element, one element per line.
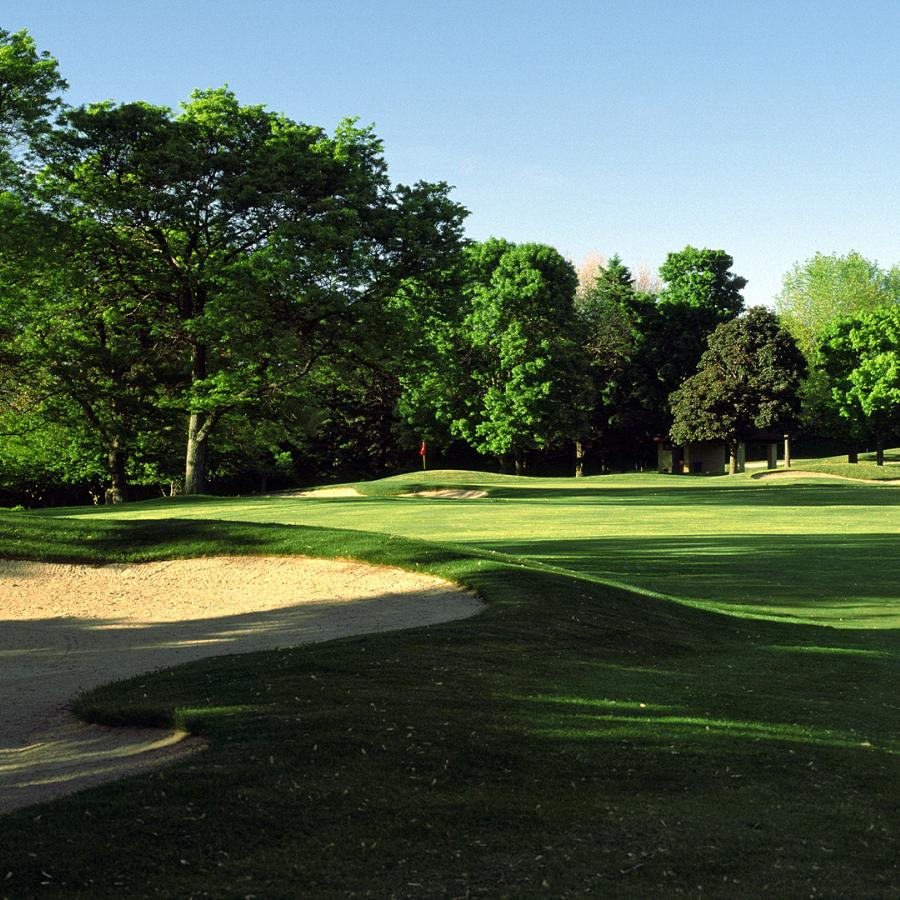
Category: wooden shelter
<point>711,457</point>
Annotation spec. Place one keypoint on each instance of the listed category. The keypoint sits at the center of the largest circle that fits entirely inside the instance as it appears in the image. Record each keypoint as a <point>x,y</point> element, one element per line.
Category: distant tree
<point>748,379</point>
<point>815,294</point>
<point>701,279</point>
<point>823,289</point>
<point>608,339</point>
<point>671,329</point>
<point>861,356</point>
<point>509,378</point>
<point>588,272</point>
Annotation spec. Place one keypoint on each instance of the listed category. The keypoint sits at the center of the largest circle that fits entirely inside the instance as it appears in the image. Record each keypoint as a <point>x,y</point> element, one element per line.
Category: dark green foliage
<point>748,380</point>
<point>609,340</point>
<point>670,332</point>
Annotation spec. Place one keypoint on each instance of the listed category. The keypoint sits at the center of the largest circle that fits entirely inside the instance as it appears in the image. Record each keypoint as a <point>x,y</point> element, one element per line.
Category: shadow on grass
<point>825,577</point>
<point>702,493</point>
<point>572,737</point>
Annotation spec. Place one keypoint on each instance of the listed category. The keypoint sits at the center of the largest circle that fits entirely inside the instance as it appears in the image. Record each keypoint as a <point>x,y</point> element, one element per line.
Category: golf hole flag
<point>422,451</point>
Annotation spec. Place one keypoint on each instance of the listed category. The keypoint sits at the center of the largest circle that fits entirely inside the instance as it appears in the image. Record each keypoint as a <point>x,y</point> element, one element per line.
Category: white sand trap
<point>799,473</point>
<point>65,628</point>
<point>448,494</point>
<point>327,492</point>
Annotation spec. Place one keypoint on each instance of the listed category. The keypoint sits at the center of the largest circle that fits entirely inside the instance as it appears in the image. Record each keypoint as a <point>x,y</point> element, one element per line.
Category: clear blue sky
<point>770,130</point>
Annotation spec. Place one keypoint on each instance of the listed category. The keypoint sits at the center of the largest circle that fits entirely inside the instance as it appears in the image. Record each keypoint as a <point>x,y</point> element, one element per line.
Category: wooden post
<point>787,451</point>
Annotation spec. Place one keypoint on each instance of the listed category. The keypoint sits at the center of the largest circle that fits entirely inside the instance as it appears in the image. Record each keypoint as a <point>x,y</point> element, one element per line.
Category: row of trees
<point>221,290</point>
<point>844,312</point>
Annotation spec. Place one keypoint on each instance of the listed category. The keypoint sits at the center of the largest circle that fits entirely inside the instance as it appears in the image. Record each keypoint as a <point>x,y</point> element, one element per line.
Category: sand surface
<point>65,628</point>
<point>799,473</point>
<point>326,492</point>
<point>448,494</point>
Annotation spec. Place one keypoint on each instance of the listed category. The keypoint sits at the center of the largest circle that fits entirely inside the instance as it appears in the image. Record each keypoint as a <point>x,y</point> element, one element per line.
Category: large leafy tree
<point>825,288</point>
<point>861,357</point>
<point>84,364</point>
<point>259,246</point>
<point>815,294</point>
<point>508,378</point>
<point>748,380</point>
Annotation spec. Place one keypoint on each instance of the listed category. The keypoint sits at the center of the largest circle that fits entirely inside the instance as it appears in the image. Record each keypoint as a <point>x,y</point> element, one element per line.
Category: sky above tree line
<point>767,129</point>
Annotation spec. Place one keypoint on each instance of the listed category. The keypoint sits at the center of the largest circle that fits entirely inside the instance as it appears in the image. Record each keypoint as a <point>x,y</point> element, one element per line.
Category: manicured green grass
<point>802,551</point>
<point>574,738</point>
<point>865,469</point>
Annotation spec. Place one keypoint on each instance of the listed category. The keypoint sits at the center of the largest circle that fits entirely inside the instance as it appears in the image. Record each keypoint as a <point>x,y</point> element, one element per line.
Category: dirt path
<point>66,628</point>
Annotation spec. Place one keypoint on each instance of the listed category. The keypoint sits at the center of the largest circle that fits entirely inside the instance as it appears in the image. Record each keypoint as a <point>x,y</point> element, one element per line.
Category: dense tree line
<point>220,294</point>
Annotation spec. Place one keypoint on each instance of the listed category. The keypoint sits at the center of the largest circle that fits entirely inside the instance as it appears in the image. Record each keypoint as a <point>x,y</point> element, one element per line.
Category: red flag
<point>423,449</point>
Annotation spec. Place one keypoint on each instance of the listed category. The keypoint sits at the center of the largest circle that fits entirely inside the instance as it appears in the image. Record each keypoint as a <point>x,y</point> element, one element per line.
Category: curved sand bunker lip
<point>67,628</point>
<point>800,473</point>
<point>448,494</point>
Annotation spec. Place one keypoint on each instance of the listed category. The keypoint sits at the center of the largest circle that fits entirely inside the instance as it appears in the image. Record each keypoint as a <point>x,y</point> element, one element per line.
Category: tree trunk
<point>520,462</point>
<point>199,425</point>
<point>580,453</point>
<point>118,486</point>
<point>195,458</point>
<point>853,456</point>
<point>732,458</point>
<point>879,450</point>
<point>787,451</point>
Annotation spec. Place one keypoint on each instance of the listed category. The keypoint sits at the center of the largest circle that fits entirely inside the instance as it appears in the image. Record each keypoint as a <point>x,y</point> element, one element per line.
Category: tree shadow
<point>824,578</point>
<point>703,494</point>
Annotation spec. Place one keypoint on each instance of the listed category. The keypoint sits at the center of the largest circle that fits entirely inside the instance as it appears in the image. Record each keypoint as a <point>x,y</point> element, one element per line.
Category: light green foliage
<point>30,86</point>
<point>521,358</point>
<point>748,379</point>
<point>701,278</point>
<point>861,356</point>
<point>825,288</point>
<point>815,294</point>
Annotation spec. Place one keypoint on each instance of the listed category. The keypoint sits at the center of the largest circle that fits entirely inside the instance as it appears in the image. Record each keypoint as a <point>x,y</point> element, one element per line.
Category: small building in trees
<point>711,457</point>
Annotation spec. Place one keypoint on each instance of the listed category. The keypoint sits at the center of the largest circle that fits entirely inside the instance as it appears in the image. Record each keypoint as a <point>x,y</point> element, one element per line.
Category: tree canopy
<point>513,365</point>
<point>825,288</point>
<point>861,356</point>
<point>243,246</point>
<point>747,380</point>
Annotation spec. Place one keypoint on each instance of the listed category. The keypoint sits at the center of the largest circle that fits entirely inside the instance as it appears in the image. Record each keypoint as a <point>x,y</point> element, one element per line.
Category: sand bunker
<point>67,628</point>
<point>448,494</point>
<point>327,492</point>
<point>799,473</point>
